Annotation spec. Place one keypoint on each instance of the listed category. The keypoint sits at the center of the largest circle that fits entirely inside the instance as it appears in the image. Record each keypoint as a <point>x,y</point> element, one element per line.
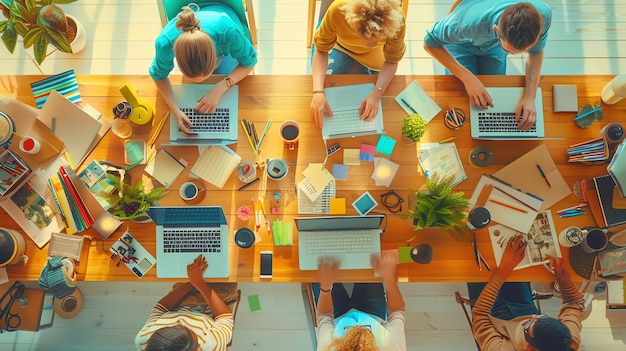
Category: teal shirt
<point>471,23</point>
<point>224,28</point>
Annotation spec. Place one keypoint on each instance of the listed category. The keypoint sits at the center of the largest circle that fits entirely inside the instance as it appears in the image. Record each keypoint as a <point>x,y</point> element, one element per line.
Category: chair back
<point>169,9</point>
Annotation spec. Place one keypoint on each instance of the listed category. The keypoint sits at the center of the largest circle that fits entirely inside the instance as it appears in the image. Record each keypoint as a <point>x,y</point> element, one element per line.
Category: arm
<point>173,299</point>
<point>527,105</point>
<point>386,267</point>
<point>473,86</point>
<point>369,106</point>
<point>327,272</point>
<point>484,332</point>
<point>165,88</point>
<point>318,101</point>
<point>209,101</point>
<point>194,272</point>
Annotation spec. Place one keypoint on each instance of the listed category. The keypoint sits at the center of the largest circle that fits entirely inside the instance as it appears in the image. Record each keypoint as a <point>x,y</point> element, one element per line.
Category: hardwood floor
<point>587,37</point>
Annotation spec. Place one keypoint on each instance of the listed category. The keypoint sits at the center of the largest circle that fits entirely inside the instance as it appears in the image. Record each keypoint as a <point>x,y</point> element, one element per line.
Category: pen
<point>247,185</point>
<point>476,250</point>
<point>245,129</point>
<point>543,175</point>
<point>508,206</point>
<point>577,207</point>
<point>484,261</point>
<point>446,140</point>
<point>535,196</point>
<point>255,137</point>
<point>514,198</point>
<point>565,215</point>
<point>498,179</point>
<point>407,105</point>
<point>588,113</point>
<point>267,128</point>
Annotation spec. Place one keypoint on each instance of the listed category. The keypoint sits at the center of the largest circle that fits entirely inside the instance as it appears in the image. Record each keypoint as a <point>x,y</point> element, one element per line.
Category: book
<point>64,83</point>
<point>541,238</point>
<point>413,99</point>
<point>56,188</point>
<point>604,186</point>
<point>165,168</point>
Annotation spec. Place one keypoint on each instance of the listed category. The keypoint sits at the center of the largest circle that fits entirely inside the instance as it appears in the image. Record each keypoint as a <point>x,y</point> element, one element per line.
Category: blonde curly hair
<point>374,18</point>
<point>194,50</point>
<point>356,339</point>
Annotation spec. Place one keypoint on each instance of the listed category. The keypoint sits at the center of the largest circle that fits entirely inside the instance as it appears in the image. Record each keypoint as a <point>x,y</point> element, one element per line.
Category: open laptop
<point>499,123</point>
<point>349,239</point>
<point>345,102</point>
<point>183,233</point>
<point>219,127</point>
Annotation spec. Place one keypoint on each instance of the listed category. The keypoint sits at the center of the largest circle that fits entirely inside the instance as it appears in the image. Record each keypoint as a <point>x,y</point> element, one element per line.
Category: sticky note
<point>253,302</point>
<point>337,206</point>
<point>385,145</point>
<point>340,171</point>
<point>351,157</point>
<point>367,152</point>
<point>384,171</point>
<point>404,254</point>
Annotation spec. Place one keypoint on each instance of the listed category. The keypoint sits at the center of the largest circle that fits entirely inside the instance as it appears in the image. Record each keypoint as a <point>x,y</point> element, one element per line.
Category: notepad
<point>442,159</point>
<point>216,164</point>
<point>417,99</point>
<point>165,168</point>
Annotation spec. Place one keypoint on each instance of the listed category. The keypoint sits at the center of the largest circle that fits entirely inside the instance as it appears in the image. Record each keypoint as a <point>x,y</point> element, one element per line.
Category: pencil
<point>588,113</point>
<point>446,140</point>
<point>544,176</point>
<point>267,128</point>
<point>248,184</point>
<point>245,129</point>
<point>514,198</point>
<point>508,206</point>
<point>159,128</point>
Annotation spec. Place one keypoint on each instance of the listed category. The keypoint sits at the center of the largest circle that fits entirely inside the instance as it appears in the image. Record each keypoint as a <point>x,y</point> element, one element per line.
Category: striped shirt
<point>212,334</point>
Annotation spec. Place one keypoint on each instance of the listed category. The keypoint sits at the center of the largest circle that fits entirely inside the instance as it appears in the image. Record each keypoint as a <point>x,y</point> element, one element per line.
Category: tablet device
<point>364,204</point>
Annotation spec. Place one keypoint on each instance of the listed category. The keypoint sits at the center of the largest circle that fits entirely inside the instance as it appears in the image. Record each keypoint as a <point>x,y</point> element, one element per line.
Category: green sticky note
<point>253,302</point>
<point>404,254</point>
<point>385,145</point>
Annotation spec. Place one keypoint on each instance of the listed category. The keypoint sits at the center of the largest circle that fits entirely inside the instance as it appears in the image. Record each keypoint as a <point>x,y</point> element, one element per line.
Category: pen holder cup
<point>246,171</point>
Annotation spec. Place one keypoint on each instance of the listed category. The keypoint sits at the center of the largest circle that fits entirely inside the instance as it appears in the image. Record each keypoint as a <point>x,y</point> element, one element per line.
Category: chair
<point>168,9</point>
<point>467,304</point>
<point>323,7</point>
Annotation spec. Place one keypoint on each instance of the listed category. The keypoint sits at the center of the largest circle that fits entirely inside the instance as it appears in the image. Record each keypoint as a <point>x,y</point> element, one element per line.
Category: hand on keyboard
<point>318,105</point>
<point>208,102</point>
<point>477,93</point>
<point>327,271</point>
<point>196,269</point>
<point>183,122</point>
<point>526,113</point>
<point>369,106</point>
<point>386,265</point>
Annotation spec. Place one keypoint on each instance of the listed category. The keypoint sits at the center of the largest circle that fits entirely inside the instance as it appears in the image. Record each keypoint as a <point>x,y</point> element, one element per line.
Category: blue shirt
<point>471,23</point>
<point>224,28</point>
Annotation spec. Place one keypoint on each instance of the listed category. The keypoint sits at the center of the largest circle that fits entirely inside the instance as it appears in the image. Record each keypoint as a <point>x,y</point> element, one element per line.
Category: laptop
<point>499,123</point>
<point>345,102</point>
<point>349,239</point>
<point>183,233</point>
<point>219,127</point>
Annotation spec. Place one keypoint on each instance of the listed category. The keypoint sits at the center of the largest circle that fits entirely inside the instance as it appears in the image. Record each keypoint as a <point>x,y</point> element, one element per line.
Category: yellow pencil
<point>446,140</point>
<point>243,125</point>
<point>157,131</point>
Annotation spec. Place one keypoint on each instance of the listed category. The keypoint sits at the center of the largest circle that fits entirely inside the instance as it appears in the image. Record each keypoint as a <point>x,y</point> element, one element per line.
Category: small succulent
<point>413,127</point>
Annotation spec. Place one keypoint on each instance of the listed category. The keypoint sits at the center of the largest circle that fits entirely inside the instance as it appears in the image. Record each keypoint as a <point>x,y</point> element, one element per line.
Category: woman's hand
<point>196,269</point>
<point>208,102</point>
<point>327,271</point>
<point>318,105</point>
<point>183,123</point>
<point>513,253</point>
<point>369,106</point>
<point>556,266</point>
<point>386,265</point>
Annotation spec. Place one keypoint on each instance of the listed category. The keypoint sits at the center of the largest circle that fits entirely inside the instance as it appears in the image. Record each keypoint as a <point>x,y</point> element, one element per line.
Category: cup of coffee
<point>290,133</point>
<point>188,191</point>
<point>244,238</point>
<point>30,145</point>
<point>571,236</point>
<point>595,240</point>
<point>276,169</point>
<point>122,128</point>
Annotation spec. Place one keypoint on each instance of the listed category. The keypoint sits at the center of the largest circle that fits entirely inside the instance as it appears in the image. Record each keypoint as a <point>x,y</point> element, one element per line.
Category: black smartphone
<point>266,264</point>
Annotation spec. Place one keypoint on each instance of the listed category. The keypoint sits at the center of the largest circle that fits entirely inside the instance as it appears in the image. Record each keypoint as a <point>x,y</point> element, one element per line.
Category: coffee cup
<point>571,236</point>
<point>244,238</point>
<point>122,128</point>
<point>188,191</point>
<point>595,240</point>
<point>30,145</point>
<point>290,133</point>
<point>276,169</point>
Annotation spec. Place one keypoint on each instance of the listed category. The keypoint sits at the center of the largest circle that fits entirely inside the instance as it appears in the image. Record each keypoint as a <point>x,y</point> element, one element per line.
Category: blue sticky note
<point>340,171</point>
<point>385,145</point>
<point>367,152</point>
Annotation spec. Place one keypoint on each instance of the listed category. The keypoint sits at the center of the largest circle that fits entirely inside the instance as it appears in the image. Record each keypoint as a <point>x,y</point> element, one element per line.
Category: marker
<point>572,214</point>
<point>544,175</point>
<point>446,140</point>
<point>407,105</point>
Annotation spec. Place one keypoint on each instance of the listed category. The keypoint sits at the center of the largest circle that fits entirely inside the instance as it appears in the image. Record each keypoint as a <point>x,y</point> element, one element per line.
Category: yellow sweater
<point>335,32</point>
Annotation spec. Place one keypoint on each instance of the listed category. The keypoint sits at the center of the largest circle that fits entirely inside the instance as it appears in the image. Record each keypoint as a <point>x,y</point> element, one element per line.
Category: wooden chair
<point>168,9</point>
<point>323,7</point>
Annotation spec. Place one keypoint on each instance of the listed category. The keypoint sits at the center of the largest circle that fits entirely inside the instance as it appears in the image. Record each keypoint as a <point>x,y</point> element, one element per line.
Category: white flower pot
<point>79,43</point>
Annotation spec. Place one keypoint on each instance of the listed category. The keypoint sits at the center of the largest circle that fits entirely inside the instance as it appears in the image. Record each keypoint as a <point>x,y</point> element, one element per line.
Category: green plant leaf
<point>32,36</point>
<point>30,4</point>
<point>40,47</point>
<point>58,40</point>
<point>64,1</point>
<point>9,36</point>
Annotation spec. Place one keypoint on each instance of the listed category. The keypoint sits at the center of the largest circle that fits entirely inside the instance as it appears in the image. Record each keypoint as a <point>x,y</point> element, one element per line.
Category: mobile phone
<point>266,264</point>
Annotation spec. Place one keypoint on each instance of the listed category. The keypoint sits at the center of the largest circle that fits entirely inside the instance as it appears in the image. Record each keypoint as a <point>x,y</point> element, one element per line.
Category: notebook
<point>345,102</point>
<point>219,127</point>
<point>499,122</point>
<point>349,239</point>
<point>216,164</point>
<point>183,233</point>
<point>605,186</point>
<point>165,168</point>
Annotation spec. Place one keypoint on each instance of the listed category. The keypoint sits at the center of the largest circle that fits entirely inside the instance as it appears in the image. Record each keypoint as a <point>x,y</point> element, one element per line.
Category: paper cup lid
<point>70,305</point>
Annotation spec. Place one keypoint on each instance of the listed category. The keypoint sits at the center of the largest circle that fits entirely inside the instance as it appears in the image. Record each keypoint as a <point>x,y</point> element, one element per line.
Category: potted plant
<point>413,128</point>
<point>438,206</point>
<point>130,201</point>
<point>39,23</point>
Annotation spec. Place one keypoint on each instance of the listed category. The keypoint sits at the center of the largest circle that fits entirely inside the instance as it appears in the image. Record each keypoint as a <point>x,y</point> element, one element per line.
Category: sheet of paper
<point>340,171</point>
<point>384,171</point>
<point>417,98</point>
<point>351,157</point>
<point>442,159</point>
<point>338,206</point>
<point>367,152</point>
<point>318,176</point>
<point>216,164</point>
<point>385,145</point>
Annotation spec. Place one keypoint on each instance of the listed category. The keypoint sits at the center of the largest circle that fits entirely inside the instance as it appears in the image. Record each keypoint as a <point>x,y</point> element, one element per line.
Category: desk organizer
<point>592,151</point>
<point>13,170</point>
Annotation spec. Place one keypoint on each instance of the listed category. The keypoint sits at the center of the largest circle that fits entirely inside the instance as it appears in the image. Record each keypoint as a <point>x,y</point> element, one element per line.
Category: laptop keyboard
<point>345,241</point>
<point>216,122</point>
<point>504,122</point>
<point>348,121</point>
<point>192,240</point>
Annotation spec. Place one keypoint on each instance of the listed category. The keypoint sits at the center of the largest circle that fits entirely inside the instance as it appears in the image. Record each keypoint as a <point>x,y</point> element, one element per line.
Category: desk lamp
<point>615,90</point>
<point>7,128</point>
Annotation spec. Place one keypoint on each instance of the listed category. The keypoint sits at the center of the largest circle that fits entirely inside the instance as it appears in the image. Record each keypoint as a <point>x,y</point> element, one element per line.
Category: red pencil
<point>508,206</point>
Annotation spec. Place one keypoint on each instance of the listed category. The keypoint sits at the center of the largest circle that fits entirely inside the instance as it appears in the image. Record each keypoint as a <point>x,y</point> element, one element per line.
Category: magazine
<point>542,241</point>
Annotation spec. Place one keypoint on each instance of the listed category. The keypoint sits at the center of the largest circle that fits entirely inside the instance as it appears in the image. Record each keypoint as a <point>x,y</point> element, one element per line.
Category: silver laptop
<point>349,239</point>
<point>183,233</point>
<point>219,127</point>
<point>345,102</point>
<point>499,122</point>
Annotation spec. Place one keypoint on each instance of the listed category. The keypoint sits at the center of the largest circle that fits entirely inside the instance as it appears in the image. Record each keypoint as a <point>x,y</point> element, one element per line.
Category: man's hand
<point>556,266</point>
<point>196,270</point>
<point>318,105</point>
<point>526,113</point>
<point>208,102</point>
<point>477,93</point>
<point>513,254</point>
<point>386,265</point>
<point>327,271</point>
<point>183,123</point>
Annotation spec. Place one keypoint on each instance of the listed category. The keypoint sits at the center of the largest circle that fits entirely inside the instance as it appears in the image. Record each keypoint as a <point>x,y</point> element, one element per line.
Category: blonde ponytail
<point>194,50</point>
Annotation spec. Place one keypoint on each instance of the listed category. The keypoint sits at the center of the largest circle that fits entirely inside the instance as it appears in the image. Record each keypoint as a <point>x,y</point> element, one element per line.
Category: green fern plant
<point>438,206</point>
<point>134,200</point>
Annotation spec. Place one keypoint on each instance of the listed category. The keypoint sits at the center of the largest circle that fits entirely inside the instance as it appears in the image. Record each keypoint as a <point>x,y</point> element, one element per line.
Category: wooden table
<point>280,98</point>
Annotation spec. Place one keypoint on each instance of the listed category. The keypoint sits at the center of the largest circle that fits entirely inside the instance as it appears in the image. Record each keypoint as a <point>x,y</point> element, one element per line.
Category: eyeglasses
<point>527,336</point>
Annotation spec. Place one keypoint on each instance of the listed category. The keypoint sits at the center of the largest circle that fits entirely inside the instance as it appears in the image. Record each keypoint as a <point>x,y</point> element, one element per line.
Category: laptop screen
<point>338,223</point>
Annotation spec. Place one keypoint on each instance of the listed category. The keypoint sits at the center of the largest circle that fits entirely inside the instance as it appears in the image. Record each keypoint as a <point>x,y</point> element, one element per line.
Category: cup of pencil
<point>246,171</point>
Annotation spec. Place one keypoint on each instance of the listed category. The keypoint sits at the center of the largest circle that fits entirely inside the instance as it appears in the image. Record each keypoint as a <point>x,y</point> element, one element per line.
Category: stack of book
<point>74,212</point>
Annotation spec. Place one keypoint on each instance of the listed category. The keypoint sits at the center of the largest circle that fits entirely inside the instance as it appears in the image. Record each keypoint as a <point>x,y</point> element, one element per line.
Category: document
<point>442,159</point>
<point>413,97</point>
<point>215,164</point>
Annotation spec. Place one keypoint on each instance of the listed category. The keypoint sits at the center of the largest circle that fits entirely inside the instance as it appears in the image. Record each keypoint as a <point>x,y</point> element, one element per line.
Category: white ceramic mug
<point>188,191</point>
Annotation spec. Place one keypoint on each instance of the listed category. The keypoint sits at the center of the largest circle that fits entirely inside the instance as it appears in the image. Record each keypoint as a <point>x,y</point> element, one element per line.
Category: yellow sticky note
<point>404,254</point>
<point>338,206</point>
<point>351,157</point>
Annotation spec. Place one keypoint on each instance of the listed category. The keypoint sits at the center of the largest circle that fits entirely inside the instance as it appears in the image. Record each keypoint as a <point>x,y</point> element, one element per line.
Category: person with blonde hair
<point>209,40</point>
<point>364,321</point>
<point>365,35</point>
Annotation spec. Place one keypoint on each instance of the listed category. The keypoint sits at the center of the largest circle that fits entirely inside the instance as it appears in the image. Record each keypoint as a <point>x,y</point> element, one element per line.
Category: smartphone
<point>266,264</point>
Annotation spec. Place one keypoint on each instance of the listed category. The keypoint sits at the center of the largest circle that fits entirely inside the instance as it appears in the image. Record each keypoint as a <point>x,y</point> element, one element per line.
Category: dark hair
<point>551,334</point>
<point>176,338</point>
<point>520,25</point>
